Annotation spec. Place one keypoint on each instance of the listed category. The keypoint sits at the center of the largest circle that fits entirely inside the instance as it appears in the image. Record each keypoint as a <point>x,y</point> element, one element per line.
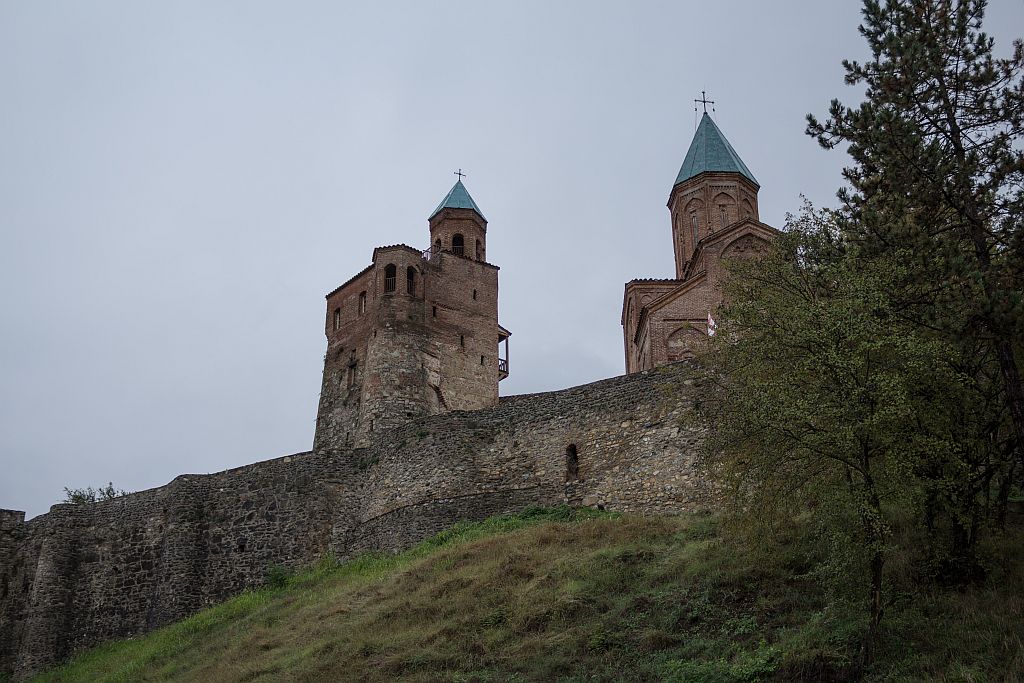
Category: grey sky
<point>181,183</point>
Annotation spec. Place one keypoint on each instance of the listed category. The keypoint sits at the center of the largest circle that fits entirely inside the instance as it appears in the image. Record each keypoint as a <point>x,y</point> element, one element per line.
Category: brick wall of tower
<point>345,359</point>
<point>395,383</point>
<point>408,354</point>
<point>463,335</point>
<point>704,197</point>
<point>450,222</point>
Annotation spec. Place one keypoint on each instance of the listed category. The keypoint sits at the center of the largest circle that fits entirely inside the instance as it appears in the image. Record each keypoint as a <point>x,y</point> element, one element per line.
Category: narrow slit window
<point>362,303</point>
<point>337,319</point>
<point>462,340</point>
<point>693,227</point>
<point>572,463</point>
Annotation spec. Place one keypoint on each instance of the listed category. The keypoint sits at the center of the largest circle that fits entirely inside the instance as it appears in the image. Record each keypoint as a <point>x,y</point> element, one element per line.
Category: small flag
<point>712,325</point>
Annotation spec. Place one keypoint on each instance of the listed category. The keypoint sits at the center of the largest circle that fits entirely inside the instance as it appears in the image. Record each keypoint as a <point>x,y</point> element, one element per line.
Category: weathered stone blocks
<point>82,574</point>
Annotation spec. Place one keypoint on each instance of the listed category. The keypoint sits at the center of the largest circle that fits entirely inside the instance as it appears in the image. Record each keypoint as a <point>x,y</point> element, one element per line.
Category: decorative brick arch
<point>723,201</point>
<point>747,209</point>
<point>683,341</point>
<point>745,246</point>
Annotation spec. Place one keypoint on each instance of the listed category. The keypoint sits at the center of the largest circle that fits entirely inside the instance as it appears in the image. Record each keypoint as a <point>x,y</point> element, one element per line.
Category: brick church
<point>713,205</point>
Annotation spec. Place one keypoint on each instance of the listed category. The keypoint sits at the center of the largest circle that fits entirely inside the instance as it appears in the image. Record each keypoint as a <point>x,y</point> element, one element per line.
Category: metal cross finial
<point>705,101</point>
<point>460,174</point>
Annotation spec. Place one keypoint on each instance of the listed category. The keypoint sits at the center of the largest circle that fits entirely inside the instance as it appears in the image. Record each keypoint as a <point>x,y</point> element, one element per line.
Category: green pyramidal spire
<point>711,152</point>
<point>457,198</point>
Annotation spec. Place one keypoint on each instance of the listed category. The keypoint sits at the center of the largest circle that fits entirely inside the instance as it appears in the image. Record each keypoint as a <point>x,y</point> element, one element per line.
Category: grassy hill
<point>576,596</point>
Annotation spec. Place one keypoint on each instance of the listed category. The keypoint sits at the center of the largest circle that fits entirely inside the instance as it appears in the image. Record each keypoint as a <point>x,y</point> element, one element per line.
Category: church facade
<point>713,206</point>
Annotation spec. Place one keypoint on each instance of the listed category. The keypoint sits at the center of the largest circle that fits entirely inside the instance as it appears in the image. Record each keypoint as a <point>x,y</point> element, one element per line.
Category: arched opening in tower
<point>390,273</point>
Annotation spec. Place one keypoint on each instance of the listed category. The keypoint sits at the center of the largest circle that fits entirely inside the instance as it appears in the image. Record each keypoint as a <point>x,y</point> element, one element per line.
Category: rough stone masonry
<point>82,574</point>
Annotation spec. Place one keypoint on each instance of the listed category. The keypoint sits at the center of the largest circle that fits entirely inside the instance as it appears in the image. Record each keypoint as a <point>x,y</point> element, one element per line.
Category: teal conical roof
<point>457,198</point>
<point>711,152</point>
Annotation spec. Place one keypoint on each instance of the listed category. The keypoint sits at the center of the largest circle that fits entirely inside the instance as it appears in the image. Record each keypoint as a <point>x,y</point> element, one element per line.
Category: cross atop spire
<point>705,101</point>
<point>460,174</point>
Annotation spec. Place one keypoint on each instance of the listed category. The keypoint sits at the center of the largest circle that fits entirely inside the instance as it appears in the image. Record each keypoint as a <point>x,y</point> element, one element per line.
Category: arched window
<point>362,303</point>
<point>390,271</point>
<point>337,319</point>
<point>479,251</point>
<point>410,280</point>
<point>726,209</point>
<point>458,244</point>
<point>437,245</point>
<point>693,227</point>
<point>572,463</point>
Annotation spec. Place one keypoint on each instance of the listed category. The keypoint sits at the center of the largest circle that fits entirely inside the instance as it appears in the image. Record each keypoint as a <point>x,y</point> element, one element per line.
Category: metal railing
<point>503,365</point>
<point>389,285</point>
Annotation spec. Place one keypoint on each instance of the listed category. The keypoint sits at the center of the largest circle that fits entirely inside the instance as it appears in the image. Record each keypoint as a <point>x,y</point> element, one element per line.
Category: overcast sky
<point>182,182</point>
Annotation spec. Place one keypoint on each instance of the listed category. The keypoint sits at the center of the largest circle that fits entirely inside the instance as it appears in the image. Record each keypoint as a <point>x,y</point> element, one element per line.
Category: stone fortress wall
<point>82,574</point>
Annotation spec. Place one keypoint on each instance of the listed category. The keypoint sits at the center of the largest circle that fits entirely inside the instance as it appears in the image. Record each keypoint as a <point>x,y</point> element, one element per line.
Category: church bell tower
<point>713,190</point>
<point>713,204</point>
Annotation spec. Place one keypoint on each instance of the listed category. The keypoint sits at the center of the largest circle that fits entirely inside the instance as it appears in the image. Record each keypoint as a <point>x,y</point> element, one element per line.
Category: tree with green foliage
<point>866,370</point>
<point>91,495</point>
<point>817,401</point>
<point>938,173</point>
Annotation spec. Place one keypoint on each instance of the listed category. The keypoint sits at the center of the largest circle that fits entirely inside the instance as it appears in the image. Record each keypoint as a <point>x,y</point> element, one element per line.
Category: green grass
<point>574,596</point>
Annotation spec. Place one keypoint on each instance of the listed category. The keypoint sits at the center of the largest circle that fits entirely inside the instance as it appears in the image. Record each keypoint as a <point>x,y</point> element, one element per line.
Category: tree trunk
<point>1014,393</point>
<point>977,235</point>
<point>877,563</point>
